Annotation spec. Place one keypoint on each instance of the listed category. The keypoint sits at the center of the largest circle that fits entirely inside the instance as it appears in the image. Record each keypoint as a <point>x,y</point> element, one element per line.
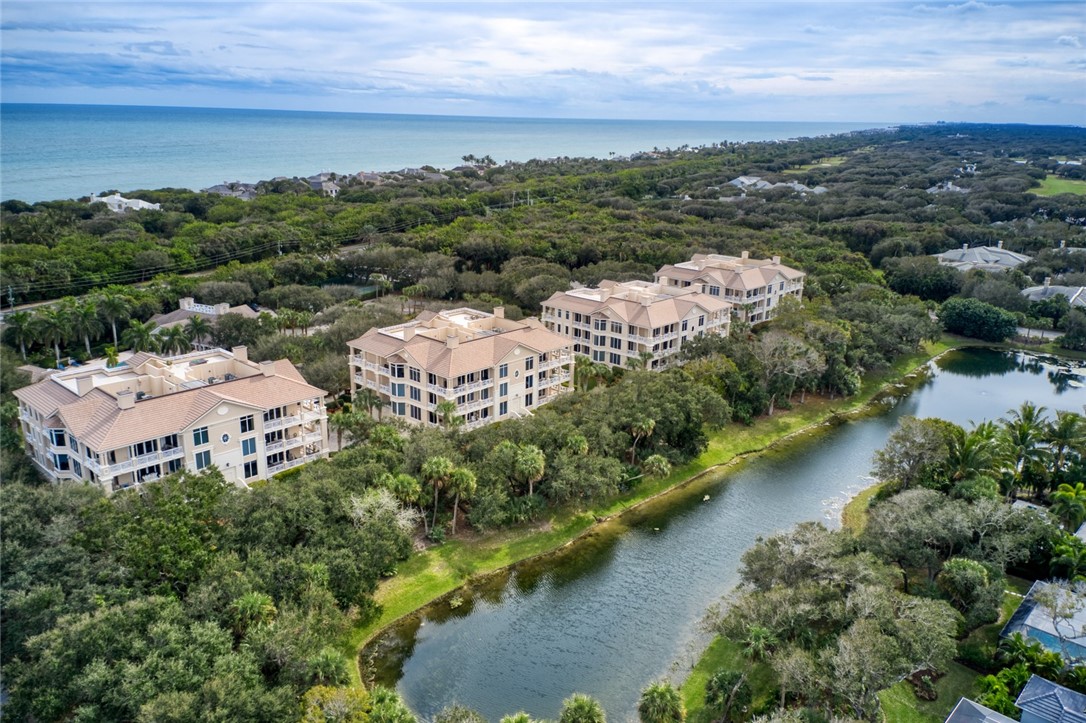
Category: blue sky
<point>849,61</point>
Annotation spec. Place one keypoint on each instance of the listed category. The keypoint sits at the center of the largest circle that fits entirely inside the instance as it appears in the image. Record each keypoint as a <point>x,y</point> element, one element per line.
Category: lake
<point>620,607</point>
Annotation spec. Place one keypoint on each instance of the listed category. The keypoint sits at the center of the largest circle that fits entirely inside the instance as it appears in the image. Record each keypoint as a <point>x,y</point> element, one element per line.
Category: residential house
<point>616,322</point>
<point>968,711</point>
<point>1043,701</point>
<point>119,204</point>
<point>1076,295</point>
<point>754,287</point>
<point>235,189</point>
<point>150,415</point>
<point>986,258</point>
<point>490,367</point>
<point>1063,635</point>
<point>188,308</point>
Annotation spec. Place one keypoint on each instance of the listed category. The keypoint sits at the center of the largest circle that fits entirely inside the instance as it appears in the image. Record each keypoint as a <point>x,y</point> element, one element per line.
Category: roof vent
<point>229,377</point>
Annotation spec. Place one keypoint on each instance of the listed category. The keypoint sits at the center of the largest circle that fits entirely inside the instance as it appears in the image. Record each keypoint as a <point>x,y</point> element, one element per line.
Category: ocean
<point>50,152</point>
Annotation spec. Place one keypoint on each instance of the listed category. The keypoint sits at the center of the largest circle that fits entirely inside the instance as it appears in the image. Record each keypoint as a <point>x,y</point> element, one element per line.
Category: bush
<point>975,318</point>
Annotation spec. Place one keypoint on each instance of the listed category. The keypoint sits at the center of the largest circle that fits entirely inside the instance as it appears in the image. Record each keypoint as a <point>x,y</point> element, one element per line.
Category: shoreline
<point>838,411</point>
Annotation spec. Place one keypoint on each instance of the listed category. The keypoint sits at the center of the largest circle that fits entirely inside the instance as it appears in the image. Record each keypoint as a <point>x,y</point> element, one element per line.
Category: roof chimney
<point>409,333</point>
<point>499,311</point>
<point>222,308</point>
<point>186,303</point>
<point>745,255</point>
<point>965,247</point>
<point>452,341</point>
<point>241,353</point>
<point>84,385</point>
<point>126,400</point>
<point>999,244</point>
<point>1063,243</point>
<point>267,368</point>
<point>776,259</point>
<point>1048,281</point>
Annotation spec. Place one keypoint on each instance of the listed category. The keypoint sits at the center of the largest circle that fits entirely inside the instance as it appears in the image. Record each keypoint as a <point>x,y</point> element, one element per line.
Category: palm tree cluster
<point>87,320</point>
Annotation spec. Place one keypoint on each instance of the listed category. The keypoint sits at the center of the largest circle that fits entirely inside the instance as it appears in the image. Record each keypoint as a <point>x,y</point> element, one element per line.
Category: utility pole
<point>11,298</point>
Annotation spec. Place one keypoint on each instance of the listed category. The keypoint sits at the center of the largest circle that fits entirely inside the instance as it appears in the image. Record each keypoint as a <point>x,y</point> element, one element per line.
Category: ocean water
<point>67,151</point>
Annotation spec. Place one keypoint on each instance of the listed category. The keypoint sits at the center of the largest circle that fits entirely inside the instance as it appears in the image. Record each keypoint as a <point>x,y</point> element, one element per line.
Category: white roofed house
<point>754,287</point>
<point>119,204</point>
<point>491,368</point>
<point>150,415</point>
<point>617,322</point>
<point>986,258</point>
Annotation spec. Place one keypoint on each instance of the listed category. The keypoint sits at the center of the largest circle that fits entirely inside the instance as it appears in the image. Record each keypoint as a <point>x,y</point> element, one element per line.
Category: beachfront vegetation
<point>253,594</point>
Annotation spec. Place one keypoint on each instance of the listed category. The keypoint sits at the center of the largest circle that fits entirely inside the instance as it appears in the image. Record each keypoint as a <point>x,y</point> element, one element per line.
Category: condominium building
<point>149,415</point>
<point>754,286</point>
<point>490,367</point>
<point>616,322</point>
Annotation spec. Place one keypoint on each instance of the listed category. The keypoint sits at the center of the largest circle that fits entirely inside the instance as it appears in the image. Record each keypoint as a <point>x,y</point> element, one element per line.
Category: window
<point>416,394</point>
<point>529,363</point>
<point>247,424</point>
<point>225,438</point>
<point>432,379</point>
<point>395,371</point>
<point>73,443</point>
<point>416,413</point>
<point>503,409</point>
<point>598,340</point>
<point>529,400</point>
<point>528,382</point>
<point>714,291</point>
<point>174,465</point>
<point>203,459</point>
<point>600,325</point>
<point>615,359</point>
<point>431,398</point>
<point>60,462</point>
<point>503,389</point>
<point>684,324</point>
<point>248,446</point>
<point>252,469</point>
<point>616,327</point>
<point>597,356</point>
<point>56,436</point>
<point>169,442</point>
<point>701,321</point>
<point>77,468</point>
<point>616,342</point>
<point>782,286</point>
<point>414,374</point>
<point>141,448</point>
<point>199,436</point>
<point>273,414</point>
<point>275,436</point>
<point>397,390</point>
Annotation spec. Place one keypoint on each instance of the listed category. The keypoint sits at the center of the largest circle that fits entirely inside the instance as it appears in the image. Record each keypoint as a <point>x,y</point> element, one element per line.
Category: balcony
<point>556,361</point>
<point>292,463</point>
<point>439,390</point>
<point>556,378</point>
<point>144,460</point>
<point>369,366</point>
<point>472,406</point>
<point>476,423</point>
<point>309,417</point>
<point>471,387</point>
<point>273,424</point>
<point>312,438</point>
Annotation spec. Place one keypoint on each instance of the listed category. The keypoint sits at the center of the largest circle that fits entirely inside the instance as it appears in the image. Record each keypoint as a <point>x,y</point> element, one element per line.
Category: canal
<point>620,607</point>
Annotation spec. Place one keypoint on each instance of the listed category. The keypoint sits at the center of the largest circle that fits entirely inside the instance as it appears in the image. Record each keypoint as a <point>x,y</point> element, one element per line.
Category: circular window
<point>516,374</point>
<point>225,438</point>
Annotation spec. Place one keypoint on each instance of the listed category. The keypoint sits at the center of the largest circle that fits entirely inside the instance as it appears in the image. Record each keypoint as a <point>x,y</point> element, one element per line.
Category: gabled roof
<point>967,711</point>
<point>1052,702</point>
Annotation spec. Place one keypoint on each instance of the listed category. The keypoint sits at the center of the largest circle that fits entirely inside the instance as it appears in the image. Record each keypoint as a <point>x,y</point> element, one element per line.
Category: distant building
<point>188,308</point>
<point>119,204</point>
<point>968,711</point>
<point>1043,701</point>
<point>1076,295</point>
<point>756,183</point>
<point>490,367</point>
<point>151,415</point>
<point>754,287</point>
<point>235,189</point>
<point>617,322</point>
<point>986,258</point>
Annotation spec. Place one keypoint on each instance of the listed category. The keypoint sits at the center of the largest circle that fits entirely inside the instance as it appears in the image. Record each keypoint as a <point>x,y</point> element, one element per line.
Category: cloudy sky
<point>857,60</point>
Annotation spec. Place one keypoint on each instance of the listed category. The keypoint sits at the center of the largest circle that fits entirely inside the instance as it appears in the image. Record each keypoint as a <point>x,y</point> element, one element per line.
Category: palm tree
<point>1069,558</point>
<point>661,703</point>
<point>436,472</point>
<point>20,326</point>
<point>114,306</point>
<point>175,340</point>
<point>581,708</point>
<point>1023,436</point>
<point>370,399</point>
<point>972,452</point>
<point>252,610</point>
<point>639,430</point>
<point>462,483</point>
<point>139,336</point>
<point>304,319</point>
<point>198,329</point>
<point>339,423</point>
<point>83,317</point>
<point>760,642</point>
<point>52,327</point>
<point>1069,504</point>
<point>111,357</point>
<point>529,464</point>
<point>1066,434</point>
<point>656,465</point>
<point>445,409</point>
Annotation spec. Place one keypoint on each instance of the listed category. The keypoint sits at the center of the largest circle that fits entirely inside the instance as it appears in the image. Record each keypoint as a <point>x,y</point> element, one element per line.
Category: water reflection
<point>619,608</point>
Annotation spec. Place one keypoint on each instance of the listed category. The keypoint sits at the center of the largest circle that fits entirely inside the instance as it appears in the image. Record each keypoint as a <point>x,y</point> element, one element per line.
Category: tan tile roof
<point>46,397</point>
<point>661,312</point>
<point>468,356</point>
<point>96,420</point>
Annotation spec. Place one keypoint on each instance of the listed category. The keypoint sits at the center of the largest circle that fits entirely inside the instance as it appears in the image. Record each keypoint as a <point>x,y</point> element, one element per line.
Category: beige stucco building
<point>150,415</point>
<point>491,367</point>
<point>616,322</point>
<point>754,286</point>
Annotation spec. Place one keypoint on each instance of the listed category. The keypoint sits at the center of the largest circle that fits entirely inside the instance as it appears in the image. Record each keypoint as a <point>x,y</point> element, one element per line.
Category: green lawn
<point>823,163</point>
<point>1053,186</point>
<point>854,516</point>
<point>429,574</point>
<point>725,654</point>
<point>900,704</point>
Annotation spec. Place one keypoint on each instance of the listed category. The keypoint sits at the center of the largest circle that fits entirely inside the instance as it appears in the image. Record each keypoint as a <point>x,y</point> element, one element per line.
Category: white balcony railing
<point>273,424</point>
<point>472,386</point>
<point>556,361</point>
<point>144,460</point>
<point>291,463</point>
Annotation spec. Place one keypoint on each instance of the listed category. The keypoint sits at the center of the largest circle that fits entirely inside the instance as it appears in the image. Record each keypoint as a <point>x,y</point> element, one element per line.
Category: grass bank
<point>1054,186</point>
<point>436,571</point>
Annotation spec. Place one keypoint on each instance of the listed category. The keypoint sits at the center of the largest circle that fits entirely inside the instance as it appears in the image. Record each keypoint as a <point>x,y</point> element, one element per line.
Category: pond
<point>620,607</point>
